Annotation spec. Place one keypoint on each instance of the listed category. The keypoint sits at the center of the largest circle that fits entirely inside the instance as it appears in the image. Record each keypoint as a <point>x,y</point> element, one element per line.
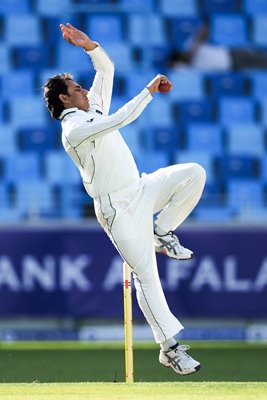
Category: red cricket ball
<point>165,87</point>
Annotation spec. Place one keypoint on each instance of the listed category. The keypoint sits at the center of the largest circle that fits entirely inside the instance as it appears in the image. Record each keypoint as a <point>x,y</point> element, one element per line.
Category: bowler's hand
<point>77,38</point>
<point>153,86</point>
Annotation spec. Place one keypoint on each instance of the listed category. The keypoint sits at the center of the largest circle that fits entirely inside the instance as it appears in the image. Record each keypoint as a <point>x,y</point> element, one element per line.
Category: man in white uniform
<point>125,202</point>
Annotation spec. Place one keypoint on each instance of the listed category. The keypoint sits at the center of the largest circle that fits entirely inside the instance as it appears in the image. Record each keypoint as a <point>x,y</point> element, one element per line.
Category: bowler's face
<point>77,96</point>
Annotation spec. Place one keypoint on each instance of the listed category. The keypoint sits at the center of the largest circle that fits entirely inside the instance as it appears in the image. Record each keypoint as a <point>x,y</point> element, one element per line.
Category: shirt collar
<point>67,111</point>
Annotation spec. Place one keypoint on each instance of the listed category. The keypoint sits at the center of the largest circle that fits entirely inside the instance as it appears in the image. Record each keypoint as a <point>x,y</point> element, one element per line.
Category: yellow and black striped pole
<point>128,323</point>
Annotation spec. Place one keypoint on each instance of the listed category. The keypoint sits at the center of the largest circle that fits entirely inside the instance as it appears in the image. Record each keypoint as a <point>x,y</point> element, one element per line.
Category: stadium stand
<point>215,118</point>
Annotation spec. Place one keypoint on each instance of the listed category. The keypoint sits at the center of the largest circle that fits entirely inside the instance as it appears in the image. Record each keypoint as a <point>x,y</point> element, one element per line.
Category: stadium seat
<point>187,8</point>
<point>244,195</point>
<point>25,166</point>
<point>22,31</point>
<point>187,85</point>
<point>263,111</point>
<point>255,7</point>
<point>106,28</point>
<point>59,167</point>
<point>236,110</point>
<point>166,139</point>
<point>3,116</point>
<point>17,84</point>
<point>229,30</point>
<point>11,7</point>
<point>204,137</point>
<point>10,214</point>
<point>159,113</point>
<point>135,82</point>
<point>38,139</point>
<point>181,30</point>
<point>227,84</point>
<point>51,7</point>
<point>150,26</point>
<point>220,6</point>
<point>5,63</point>
<point>246,139</point>
<point>136,5</point>
<point>72,201</point>
<point>259,30</point>
<point>51,31</point>
<point>131,135</point>
<point>233,167</point>
<point>69,58</point>
<point>121,55</point>
<point>35,198</point>
<point>31,57</point>
<point>212,214</point>
<point>8,140</point>
<point>195,111</point>
<point>29,112</point>
<point>4,195</point>
<point>263,169</point>
<point>204,158</point>
<point>258,80</point>
<point>151,161</point>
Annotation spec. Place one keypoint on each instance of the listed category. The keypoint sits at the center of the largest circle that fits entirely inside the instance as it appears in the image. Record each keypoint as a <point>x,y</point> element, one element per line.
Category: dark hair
<point>52,89</point>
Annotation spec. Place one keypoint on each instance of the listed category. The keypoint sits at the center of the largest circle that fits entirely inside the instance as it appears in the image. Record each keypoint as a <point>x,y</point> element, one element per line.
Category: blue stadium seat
<point>20,167</point>
<point>233,167</point>
<point>227,84</point>
<point>258,81</point>
<point>159,113</point>
<point>5,63</point>
<point>205,137</point>
<point>35,198</point>
<point>135,82</point>
<point>150,161</point>
<point>22,31</point>
<point>264,169</point>
<point>220,6</point>
<point>136,5</point>
<point>10,214</point>
<point>29,112</point>
<point>246,139</point>
<point>195,111</point>
<point>106,28</point>
<point>150,26</point>
<point>121,55</point>
<point>204,158</point>
<point>17,84</point>
<point>72,201</point>
<point>31,57</point>
<point>131,135</point>
<point>59,167</point>
<point>212,214</point>
<point>71,58</point>
<point>165,139</point>
<point>38,139</point>
<point>244,195</point>
<point>236,110</point>
<point>259,33</point>
<point>10,7</point>
<point>51,31</point>
<point>229,30</point>
<point>187,85</point>
<point>255,7</point>
<point>3,116</point>
<point>263,111</point>
<point>8,140</point>
<point>51,7</point>
<point>187,8</point>
<point>181,30</point>
<point>4,195</point>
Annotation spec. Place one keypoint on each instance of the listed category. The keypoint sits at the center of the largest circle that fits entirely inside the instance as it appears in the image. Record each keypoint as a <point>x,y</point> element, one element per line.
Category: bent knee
<point>199,172</point>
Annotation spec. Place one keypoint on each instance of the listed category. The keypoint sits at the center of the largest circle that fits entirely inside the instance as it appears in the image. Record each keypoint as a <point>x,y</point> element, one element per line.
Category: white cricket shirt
<point>92,138</point>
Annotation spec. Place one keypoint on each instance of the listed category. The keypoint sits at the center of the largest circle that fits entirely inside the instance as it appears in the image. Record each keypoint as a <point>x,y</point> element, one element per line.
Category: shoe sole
<point>198,367</point>
<point>165,253</point>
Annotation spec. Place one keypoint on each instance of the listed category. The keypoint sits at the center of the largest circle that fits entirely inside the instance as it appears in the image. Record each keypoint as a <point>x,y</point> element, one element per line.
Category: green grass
<point>138,391</point>
<point>57,362</point>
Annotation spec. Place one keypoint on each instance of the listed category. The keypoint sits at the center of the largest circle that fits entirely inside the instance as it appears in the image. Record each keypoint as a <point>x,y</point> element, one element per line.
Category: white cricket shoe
<point>170,246</point>
<point>179,360</point>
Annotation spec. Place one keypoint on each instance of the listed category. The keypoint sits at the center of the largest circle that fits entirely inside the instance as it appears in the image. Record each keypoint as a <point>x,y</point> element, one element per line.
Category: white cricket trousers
<point>127,218</point>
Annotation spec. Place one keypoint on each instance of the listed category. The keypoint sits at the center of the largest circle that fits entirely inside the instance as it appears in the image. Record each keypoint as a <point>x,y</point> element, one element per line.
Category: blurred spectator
<point>206,56</point>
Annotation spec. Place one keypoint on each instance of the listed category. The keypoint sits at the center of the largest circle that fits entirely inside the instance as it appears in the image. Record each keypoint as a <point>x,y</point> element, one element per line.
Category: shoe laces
<point>181,350</point>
